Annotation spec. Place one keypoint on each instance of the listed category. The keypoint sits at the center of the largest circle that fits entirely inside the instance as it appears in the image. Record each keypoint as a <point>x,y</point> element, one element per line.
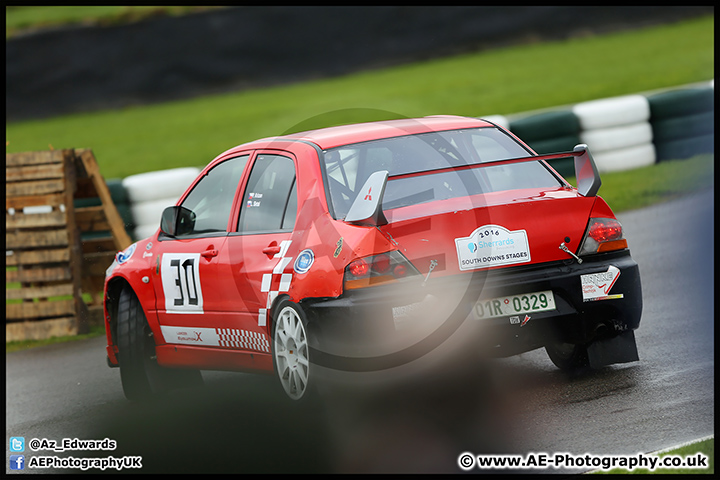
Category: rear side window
<point>349,166</point>
<point>270,200</point>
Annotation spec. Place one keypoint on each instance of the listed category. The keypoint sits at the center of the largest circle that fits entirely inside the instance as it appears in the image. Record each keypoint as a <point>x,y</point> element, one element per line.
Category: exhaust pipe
<point>601,331</point>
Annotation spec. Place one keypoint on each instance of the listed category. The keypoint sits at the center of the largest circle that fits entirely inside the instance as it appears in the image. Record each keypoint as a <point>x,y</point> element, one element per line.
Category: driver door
<point>192,269</point>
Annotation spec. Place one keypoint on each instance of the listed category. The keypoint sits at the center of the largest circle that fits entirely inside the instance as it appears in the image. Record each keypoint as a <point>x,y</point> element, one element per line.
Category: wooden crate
<point>46,264</point>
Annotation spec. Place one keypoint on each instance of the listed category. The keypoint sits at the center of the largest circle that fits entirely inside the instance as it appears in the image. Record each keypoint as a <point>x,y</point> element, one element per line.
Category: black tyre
<point>555,145</point>
<point>568,357</point>
<point>546,125</point>
<point>687,126</point>
<point>681,102</point>
<point>685,148</point>
<point>140,373</point>
<point>291,352</point>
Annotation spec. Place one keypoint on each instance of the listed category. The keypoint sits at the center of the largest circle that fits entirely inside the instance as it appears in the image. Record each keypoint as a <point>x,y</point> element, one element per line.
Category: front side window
<point>270,200</point>
<point>211,200</point>
<point>349,166</point>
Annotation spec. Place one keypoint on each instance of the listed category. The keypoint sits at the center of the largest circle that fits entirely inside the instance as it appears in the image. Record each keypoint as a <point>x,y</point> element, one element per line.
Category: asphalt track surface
<point>238,423</point>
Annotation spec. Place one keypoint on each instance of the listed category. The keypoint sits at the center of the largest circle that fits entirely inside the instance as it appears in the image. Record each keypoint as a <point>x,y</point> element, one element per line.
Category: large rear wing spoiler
<point>367,207</point>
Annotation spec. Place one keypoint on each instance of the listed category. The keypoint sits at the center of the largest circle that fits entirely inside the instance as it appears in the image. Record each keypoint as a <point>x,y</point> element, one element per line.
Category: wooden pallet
<point>49,266</point>
<point>101,227</point>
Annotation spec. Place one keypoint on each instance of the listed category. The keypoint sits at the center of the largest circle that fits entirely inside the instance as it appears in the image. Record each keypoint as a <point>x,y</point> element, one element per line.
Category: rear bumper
<point>374,322</point>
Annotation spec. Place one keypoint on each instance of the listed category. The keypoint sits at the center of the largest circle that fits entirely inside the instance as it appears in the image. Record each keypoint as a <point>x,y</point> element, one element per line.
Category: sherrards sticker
<point>491,246</point>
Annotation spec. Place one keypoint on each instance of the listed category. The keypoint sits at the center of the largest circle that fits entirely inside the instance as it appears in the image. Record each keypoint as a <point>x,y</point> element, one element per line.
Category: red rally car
<point>364,247</point>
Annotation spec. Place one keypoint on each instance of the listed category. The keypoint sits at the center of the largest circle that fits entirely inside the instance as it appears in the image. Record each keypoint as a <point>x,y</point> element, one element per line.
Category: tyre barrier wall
<point>149,193</point>
<point>623,132</point>
<point>683,122</point>
<point>550,132</point>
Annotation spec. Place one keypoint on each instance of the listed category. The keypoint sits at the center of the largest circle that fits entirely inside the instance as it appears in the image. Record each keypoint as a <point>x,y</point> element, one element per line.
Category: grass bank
<point>657,183</point>
<point>688,452</point>
<point>22,19</point>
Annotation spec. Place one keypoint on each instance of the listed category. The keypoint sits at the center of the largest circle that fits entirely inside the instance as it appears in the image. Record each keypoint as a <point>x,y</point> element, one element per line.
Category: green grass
<point>21,18</point>
<point>504,81</point>
<point>657,183</point>
<point>14,346</point>
<point>706,447</point>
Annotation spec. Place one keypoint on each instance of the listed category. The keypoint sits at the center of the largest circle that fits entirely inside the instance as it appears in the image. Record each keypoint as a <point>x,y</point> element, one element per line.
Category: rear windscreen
<point>348,167</point>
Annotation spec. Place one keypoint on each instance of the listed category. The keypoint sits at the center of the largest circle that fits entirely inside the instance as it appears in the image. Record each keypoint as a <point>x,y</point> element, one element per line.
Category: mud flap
<point>619,349</point>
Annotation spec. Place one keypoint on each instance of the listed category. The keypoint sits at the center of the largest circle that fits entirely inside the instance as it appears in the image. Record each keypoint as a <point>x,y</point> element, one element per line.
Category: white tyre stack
<point>150,193</point>
<point>617,131</point>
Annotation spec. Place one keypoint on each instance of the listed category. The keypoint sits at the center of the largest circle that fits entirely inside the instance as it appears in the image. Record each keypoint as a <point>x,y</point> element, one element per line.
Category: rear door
<point>258,249</point>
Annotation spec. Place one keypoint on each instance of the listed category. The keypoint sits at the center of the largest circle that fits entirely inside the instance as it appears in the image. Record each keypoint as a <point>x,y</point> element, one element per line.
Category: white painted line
<point>692,442</point>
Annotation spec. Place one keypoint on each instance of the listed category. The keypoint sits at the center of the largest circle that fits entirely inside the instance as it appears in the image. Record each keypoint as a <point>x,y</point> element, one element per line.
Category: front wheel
<point>568,357</point>
<point>140,373</point>
<point>291,351</point>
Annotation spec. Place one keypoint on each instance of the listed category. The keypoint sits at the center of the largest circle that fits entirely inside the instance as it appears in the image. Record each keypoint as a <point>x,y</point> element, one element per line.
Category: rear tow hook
<point>564,248</point>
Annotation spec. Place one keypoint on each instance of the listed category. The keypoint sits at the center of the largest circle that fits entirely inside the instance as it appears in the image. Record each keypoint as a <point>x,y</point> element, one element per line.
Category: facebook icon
<point>17,462</point>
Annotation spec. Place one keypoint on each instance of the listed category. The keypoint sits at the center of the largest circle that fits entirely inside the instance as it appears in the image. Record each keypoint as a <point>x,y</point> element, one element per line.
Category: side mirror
<point>176,221</point>
<point>586,173</point>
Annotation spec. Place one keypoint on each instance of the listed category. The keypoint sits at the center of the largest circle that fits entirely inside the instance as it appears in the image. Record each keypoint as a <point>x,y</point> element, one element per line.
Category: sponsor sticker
<point>339,246</point>
<point>596,286</point>
<point>125,255</point>
<point>216,337</point>
<point>491,246</point>
<point>304,261</point>
<point>254,199</point>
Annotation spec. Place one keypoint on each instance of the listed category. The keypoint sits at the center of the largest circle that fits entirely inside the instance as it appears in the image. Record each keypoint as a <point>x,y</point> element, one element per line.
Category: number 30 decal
<point>181,282</point>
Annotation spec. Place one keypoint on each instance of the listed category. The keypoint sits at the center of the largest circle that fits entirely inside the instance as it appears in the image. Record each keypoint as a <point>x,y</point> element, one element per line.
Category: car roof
<point>331,137</point>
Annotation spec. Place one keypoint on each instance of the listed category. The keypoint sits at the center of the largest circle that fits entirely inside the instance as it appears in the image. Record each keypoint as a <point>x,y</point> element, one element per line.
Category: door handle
<point>271,250</point>
<point>210,253</point>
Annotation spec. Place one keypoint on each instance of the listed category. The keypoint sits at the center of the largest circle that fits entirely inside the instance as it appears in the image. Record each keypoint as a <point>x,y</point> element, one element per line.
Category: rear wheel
<point>568,357</point>
<point>140,373</point>
<point>291,352</point>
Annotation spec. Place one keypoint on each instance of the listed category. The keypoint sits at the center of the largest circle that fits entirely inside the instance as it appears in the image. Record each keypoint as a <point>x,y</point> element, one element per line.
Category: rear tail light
<point>358,269</point>
<point>603,235</point>
<point>378,269</point>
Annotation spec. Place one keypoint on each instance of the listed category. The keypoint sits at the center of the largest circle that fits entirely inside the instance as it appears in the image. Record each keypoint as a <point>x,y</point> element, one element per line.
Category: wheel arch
<point>310,314</point>
<point>145,295</point>
<point>112,297</point>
